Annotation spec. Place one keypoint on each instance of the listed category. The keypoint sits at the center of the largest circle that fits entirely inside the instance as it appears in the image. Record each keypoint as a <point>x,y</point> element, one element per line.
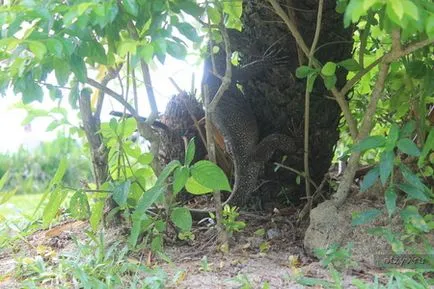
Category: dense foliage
<point>52,48</point>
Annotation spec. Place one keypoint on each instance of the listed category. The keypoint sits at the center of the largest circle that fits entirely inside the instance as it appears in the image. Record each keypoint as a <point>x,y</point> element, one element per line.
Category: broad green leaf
<point>390,197</point>
<point>58,176</point>
<point>131,7</point>
<point>180,177</point>
<point>157,244</point>
<point>428,147</point>
<point>127,127</point>
<point>376,141</point>
<point>4,179</point>
<point>411,9</point>
<point>188,31</point>
<point>360,218</point>
<point>168,169</point>
<point>120,193</point>
<point>329,69</point>
<point>181,217</point>
<point>32,92</point>
<point>210,175</point>
<point>392,138</point>
<point>189,154</point>
<point>304,71</point>
<point>193,187</point>
<point>370,179</point>
<point>79,206</point>
<point>78,67</point>
<point>62,71</point>
<point>175,49</point>
<point>411,215</point>
<point>191,8</point>
<point>233,8</point>
<point>386,165</point>
<point>330,81</point>
<point>38,49</point>
<point>55,47</point>
<point>146,52</point>
<point>127,46</point>
<point>429,26</point>
<point>408,147</point>
<point>145,158</point>
<point>413,192</point>
<point>56,198</point>
<point>407,129</point>
<point>353,12</point>
<point>213,15</point>
<point>96,214</point>
<point>397,7</point>
<point>350,64</point>
<point>413,179</point>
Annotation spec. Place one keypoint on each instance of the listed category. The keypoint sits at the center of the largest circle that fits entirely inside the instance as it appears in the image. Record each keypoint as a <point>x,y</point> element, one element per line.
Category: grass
<point>19,205</point>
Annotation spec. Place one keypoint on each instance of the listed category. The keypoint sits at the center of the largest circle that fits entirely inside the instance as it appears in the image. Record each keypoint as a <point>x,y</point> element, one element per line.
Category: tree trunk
<point>277,96</point>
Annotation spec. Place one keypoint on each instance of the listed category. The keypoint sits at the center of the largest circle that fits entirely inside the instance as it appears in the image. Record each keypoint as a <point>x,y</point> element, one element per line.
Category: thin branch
<point>115,95</point>
<point>227,78</point>
<point>307,106</point>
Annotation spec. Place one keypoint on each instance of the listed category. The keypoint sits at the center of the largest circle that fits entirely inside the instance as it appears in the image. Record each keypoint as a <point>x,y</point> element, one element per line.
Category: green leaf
<point>131,7</point>
<point>5,196</point>
<point>214,15</point>
<point>376,141</point>
<point>32,92</point>
<point>353,12</point>
<point>330,81</point>
<point>408,147</point>
<point>146,52</point>
<point>79,206</point>
<point>181,217</point>
<point>120,193</point>
<point>189,154</point>
<point>392,138</point>
<point>4,179</point>
<point>329,69</point>
<point>411,215</point>
<point>191,8</point>
<point>55,47</point>
<point>180,177</point>
<point>411,9</point>
<point>193,187</point>
<point>360,218</point>
<point>175,49</point>
<point>62,71</point>
<point>96,214</point>
<point>386,165</point>
<point>78,67</point>
<point>304,71</point>
<point>429,26</point>
<point>407,129</point>
<point>233,8</point>
<point>428,146</point>
<point>370,179</point>
<point>390,197</point>
<point>188,31</point>
<point>210,175</point>
<point>413,192</point>
<point>38,49</point>
<point>311,81</point>
<point>350,64</point>
<point>127,46</point>
<point>397,7</point>
<point>146,158</point>
<point>413,179</point>
<point>56,199</point>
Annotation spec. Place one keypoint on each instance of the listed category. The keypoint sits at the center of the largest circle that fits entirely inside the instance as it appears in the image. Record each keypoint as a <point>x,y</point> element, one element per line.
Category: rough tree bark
<point>277,96</point>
